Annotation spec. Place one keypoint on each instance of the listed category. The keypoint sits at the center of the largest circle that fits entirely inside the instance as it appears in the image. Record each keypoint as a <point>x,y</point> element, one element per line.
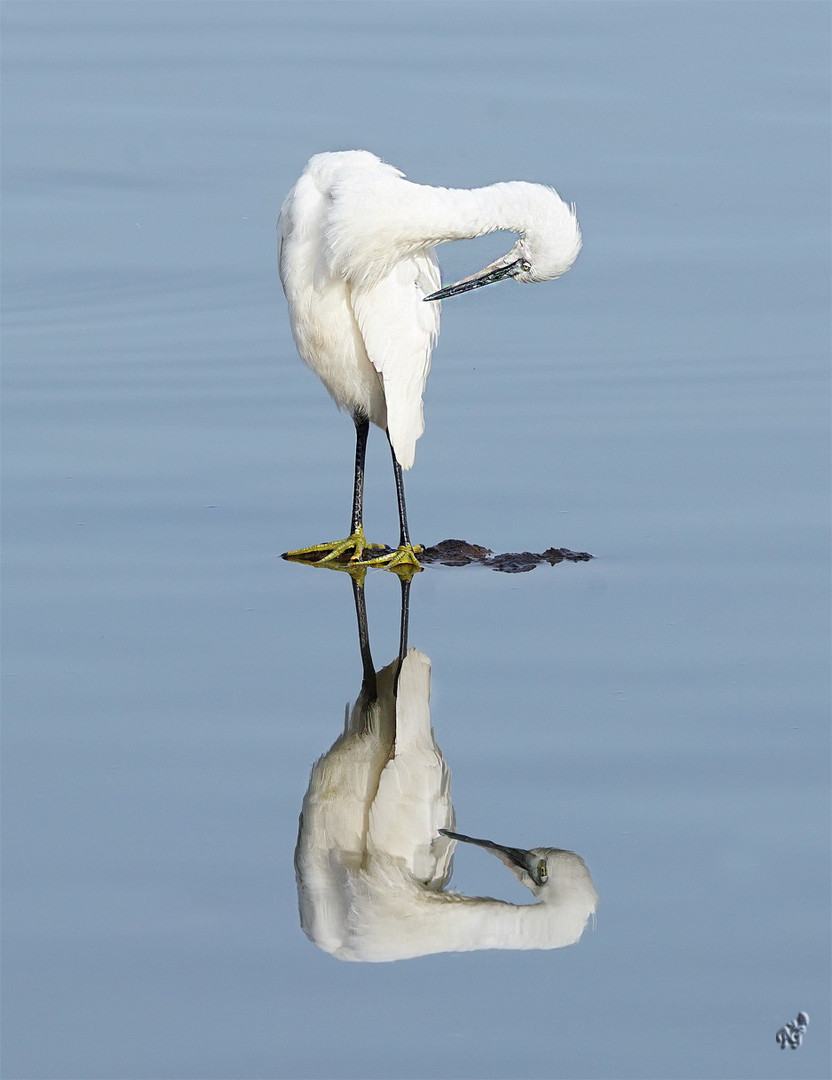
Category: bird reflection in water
<point>377,837</point>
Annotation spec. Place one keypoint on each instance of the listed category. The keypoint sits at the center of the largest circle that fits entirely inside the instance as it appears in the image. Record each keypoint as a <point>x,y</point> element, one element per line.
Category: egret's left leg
<point>405,554</point>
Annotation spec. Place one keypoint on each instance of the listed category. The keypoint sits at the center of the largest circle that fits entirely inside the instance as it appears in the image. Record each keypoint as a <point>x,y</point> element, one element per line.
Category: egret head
<point>568,878</point>
<point>549,873</point>
<point>548,245</point>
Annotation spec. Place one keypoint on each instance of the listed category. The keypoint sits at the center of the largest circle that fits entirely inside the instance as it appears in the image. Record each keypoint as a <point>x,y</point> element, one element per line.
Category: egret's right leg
<point>356,541</point>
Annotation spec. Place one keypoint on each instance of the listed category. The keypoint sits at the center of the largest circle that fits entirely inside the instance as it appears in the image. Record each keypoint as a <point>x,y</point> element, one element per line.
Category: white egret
<point>357,261</point>
<point>376,840</point>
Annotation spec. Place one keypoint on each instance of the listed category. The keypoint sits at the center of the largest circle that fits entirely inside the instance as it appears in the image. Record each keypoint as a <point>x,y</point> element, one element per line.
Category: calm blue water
<point>168,680</point>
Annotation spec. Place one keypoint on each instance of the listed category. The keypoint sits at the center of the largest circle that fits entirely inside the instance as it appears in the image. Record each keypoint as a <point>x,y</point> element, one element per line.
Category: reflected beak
<point>534,866</point>
<point>495,272</point>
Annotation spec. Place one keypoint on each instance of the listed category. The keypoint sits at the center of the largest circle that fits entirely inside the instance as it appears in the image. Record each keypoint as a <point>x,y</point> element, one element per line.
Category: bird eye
<point>525,266</point>
<point>542,871</point>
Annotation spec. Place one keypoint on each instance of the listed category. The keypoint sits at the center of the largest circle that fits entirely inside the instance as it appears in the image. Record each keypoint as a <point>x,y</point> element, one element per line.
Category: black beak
<point>494,272</point>
<point>534,866</point>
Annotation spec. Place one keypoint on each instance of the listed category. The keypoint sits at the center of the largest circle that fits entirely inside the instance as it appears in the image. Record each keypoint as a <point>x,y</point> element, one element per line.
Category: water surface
<point>662,709</point>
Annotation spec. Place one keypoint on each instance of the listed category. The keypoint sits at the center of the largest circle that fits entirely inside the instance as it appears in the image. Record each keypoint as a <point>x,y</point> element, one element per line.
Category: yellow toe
<point>322,554</point>
<point>403,557</point>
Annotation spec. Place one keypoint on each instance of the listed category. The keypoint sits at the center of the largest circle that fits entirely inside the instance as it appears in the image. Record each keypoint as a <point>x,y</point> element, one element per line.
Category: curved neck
<point>492,924</point>
<point>408,219</point>
<point>437,215</point>
<point>447,922</point>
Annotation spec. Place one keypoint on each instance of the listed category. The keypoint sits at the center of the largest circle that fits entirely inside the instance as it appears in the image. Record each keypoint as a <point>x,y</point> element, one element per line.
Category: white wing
<point>413,801</point>
<point>399,331</point>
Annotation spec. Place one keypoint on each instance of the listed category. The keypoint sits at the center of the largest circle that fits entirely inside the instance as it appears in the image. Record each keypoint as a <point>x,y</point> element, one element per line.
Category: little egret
<point>356,261</point>
<point>377,836</point>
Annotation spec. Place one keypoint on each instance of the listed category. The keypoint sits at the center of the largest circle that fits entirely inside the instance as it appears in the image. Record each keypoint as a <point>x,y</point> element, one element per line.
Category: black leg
<point>368,685</point>
<point>362,430</point>
<point>324,554</point>
<point>404,535</point>
<point>403,626</point>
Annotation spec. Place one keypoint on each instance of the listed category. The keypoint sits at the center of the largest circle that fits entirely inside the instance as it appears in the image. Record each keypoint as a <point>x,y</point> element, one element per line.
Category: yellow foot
<point>402,561</point>
<point>321,554</point>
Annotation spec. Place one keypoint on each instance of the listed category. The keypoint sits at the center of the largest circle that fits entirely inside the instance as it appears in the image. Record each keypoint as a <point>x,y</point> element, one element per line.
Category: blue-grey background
<point>169,680</point>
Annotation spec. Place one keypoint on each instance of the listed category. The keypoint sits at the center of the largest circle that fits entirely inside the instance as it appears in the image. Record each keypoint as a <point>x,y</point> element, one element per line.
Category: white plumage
<point>355,293</point>
<point>357,262</point>
<point>372,862</point>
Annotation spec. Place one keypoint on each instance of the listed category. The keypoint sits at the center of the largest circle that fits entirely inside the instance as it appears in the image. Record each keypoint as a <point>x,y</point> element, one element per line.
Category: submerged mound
<point>461,553</point>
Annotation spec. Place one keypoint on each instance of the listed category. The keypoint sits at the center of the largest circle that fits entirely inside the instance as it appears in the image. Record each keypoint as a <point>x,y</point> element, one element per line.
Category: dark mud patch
<point>461,553</point>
